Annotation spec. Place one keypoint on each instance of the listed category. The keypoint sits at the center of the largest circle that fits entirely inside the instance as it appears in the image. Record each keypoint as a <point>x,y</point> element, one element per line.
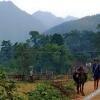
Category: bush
<point>2,74</point>
<point>45,92</point>
<point>70,85</point>
<point>8,88</point>
<point>70,88</point>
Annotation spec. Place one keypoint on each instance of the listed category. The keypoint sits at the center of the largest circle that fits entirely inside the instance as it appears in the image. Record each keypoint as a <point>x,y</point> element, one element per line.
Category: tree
<point>22,55</point>
<point>34,37</point>
<point>53,57</point>
<point>96,38</point>
<point>6,51</point>
<point>98,26</point>
<point>57,39</point>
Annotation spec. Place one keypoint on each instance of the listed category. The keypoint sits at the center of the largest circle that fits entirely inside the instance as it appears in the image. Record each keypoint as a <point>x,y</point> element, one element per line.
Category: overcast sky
<point>61,8</point>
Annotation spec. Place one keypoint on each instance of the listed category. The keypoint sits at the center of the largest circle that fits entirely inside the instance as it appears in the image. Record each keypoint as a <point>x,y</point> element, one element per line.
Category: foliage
<point>45,92</point>
<point>57,39</point>
<point>40,51</point>
<point>98,26</point>
<point>6,52</point>
<point>70,85</point>
<point>97,40</point>
<point>77,42</point>
<point>7,88</point>
<point>53,52</point>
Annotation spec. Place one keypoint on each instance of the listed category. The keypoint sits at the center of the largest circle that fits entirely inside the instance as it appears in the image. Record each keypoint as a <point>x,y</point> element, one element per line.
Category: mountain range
<point>88,23</point>
<point>50,20</point>
<point>15,24</point>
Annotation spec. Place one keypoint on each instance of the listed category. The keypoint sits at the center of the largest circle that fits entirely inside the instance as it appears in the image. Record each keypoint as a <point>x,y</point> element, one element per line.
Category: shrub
<point>8,88</point>
<point>70,85</point>
<point>45,92</point>
<point>70,88</point>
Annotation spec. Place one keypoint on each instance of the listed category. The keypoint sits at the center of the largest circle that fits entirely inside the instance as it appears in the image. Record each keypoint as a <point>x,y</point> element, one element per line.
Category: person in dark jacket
<point>96,73</point>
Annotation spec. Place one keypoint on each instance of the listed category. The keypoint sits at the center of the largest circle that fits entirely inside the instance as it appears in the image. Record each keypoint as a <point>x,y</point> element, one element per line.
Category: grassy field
<point>24,87</point>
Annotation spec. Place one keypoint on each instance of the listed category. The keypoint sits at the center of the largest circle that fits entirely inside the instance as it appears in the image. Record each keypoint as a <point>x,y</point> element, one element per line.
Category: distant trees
<point>98,26</point>
<point>49,52</point>
<point>22,56</point>
<point>6,51</point>
<point>77,42</point>
<point>40,51</point>
<point>97,38</point>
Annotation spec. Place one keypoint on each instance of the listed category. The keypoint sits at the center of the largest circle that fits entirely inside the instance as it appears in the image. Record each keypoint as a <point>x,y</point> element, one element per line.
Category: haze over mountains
<point>50,20</point>
<point>15,24</point>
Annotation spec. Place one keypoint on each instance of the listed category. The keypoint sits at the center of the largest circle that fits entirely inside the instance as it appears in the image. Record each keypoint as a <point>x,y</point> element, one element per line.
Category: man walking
<point>96,73</point>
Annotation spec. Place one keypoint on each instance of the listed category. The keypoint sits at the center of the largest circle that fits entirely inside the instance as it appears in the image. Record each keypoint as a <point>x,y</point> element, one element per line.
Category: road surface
<point>89,88</point>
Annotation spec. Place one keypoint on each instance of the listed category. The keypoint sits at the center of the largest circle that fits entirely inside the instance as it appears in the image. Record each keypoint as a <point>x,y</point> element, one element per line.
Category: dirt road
<point>88,89</point>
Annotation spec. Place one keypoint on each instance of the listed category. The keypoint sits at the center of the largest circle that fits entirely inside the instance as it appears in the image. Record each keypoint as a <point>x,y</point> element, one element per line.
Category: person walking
<point>96,72</point>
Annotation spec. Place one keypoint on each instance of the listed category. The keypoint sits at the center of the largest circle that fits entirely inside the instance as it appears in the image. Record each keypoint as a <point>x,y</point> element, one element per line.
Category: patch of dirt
<point>89,88</point>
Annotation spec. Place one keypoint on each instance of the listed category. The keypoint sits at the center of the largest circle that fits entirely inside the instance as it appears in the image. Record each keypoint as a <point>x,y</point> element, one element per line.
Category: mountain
<point>15,24</point>
<point>50,20</point>
<point>88,23</point>
<point>70,18</point>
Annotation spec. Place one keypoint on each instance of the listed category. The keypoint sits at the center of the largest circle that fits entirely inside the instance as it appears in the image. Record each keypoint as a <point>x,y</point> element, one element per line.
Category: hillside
<point>87,23</point>
<point>15,23</point>
<point>50,20</point>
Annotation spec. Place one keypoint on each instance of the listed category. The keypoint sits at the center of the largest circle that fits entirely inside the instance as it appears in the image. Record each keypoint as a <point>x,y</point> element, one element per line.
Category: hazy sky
<point>78,8</point>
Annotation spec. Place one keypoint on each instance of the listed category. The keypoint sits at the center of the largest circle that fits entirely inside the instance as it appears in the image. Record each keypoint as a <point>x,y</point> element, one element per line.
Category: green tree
<point>34,38</point>
<point>97,38</point>
<point>53,57</point>
<point>22,55</point>
<point>98,26</point>
<point>57,39</point>
<point>6,51</point>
